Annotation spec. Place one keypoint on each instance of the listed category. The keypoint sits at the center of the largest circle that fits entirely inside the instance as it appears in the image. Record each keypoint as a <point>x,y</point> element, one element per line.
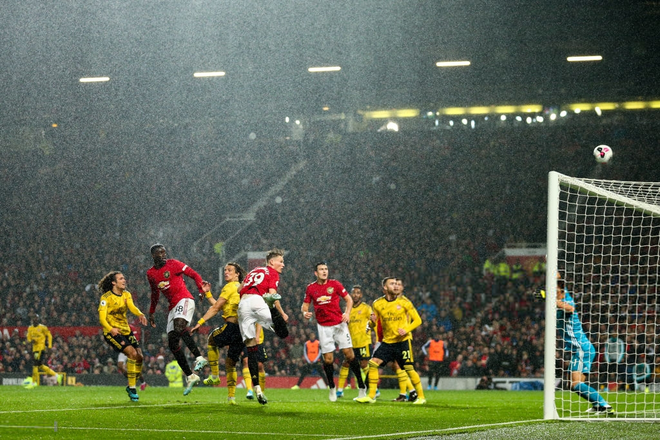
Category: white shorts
<point>121,358</point>
<point>335,334</point>
<point>183,309</point>
<point>253,309</point>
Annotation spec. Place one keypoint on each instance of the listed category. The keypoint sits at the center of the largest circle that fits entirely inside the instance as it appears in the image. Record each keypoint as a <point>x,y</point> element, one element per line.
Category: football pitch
<point>106,412</point>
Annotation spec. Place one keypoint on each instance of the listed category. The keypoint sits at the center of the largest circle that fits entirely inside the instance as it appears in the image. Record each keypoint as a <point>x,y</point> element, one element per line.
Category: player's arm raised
<point>191,273</point>
<point>565,306</point>
<point>206,287</point>
<point>210,313</point>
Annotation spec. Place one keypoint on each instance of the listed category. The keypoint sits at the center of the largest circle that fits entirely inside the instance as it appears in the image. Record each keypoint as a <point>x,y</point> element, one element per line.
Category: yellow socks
<point>213,356</point>
<point>247,378</point>
<point>35,375</point>
<point>373,379</point>
<point>416,381</point>
<point>402,378</point>
<point>131,372</point>
<point>343,375</point>
<point>232,377</point>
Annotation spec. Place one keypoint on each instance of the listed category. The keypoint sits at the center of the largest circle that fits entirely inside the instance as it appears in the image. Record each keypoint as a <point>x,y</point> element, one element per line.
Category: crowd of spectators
<point>428,207</point>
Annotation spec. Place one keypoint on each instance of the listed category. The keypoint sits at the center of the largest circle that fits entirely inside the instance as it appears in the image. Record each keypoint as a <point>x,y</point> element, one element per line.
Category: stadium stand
<point>429,207</point>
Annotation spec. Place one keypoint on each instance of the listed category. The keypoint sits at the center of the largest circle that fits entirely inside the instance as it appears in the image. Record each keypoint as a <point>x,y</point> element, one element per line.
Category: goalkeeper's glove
<point>539,293</point>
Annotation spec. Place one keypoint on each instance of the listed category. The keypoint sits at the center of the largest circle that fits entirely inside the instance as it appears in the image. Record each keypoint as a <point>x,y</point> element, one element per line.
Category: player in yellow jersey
<point>228,334</point>
<point>398,318</point>
<point>115,302</point>
<point>40,337</point>
<point>406,390</point>
<point>361,336</point>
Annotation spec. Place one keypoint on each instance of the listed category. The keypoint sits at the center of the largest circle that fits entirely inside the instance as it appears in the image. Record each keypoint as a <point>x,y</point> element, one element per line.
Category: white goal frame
<point>619,194</point>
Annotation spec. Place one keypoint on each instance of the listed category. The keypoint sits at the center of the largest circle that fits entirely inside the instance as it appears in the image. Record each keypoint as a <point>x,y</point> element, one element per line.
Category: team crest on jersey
<point>330,290</point>
<point>166,274</point>
<point>398,307</point>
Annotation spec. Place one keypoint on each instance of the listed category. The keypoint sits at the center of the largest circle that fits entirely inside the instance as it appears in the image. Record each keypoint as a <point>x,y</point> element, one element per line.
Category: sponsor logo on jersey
<point>164,285</point>
<point>323,299</point>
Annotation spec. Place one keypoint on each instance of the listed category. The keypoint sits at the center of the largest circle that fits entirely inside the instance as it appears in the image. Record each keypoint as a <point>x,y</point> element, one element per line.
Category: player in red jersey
<point>332,325</point>
<point>260,304</point>
<point>166,277</point>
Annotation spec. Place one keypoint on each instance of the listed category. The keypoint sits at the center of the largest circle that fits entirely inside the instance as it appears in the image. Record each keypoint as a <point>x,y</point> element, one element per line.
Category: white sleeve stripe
<point>185,266</point>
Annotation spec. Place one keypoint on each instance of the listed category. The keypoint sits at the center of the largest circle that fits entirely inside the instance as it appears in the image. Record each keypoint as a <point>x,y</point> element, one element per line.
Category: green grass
<point>106,412</point>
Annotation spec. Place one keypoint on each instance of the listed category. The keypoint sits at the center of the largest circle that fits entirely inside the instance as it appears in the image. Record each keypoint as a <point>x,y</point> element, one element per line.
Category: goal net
<point>603,241</point>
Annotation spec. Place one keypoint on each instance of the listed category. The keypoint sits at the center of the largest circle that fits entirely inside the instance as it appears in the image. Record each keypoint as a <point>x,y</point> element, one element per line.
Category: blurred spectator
<point>428,310</point>
<point>486,383</point>
<point>640,374</point>
<point>455,366</point>
<point>615,354</point>
<point>109,367</point>
<point>453,209</point>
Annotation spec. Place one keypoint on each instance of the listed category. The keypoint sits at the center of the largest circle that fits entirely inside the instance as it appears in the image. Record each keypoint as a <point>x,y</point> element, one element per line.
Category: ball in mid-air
<point>603,153</point>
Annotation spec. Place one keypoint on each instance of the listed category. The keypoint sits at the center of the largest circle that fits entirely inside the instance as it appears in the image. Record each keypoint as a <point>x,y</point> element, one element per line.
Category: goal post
<point>602,239</point>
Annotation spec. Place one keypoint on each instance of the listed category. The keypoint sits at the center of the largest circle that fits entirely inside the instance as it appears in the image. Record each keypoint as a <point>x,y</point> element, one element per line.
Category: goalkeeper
<point>576,342</point>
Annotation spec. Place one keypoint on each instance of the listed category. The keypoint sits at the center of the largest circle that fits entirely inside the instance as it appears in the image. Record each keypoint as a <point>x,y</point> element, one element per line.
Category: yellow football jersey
<point>231,295</point>
<point>396,314</point>
<point>38,335</point>
<point>112,311</point>
<point>357,326</point>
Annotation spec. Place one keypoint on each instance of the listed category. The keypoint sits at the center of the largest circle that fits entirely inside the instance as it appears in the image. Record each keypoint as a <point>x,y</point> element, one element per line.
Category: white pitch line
<point>173,431</point>
<point>89,409</point>
<point>103,408</point>
<point>130,406</point>
<point>439,431</point>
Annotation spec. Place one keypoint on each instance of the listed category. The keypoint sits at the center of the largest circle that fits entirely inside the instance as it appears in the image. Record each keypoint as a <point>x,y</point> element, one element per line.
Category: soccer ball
<point>603,153</point>
<point>28,382</point>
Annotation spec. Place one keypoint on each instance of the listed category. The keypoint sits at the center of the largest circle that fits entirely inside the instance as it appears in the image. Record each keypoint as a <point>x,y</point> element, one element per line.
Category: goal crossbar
<point>595,226</point>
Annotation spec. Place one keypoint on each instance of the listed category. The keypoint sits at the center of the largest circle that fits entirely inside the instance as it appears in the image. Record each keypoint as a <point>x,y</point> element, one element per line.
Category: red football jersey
<point>169,281</point>
<point>325,298</point>
<point>260,280</point>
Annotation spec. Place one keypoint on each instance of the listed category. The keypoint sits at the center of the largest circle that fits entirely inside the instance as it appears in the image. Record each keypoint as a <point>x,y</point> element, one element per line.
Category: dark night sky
<point>387,50</point>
